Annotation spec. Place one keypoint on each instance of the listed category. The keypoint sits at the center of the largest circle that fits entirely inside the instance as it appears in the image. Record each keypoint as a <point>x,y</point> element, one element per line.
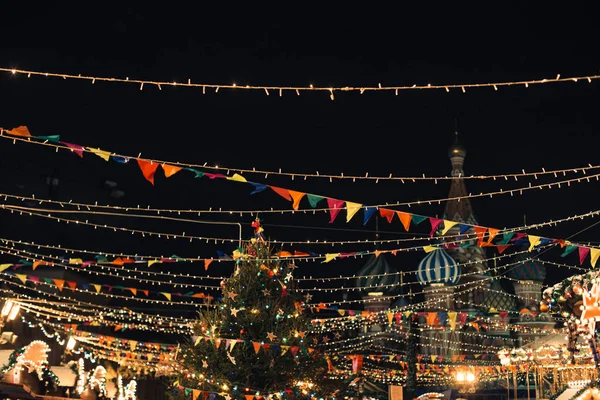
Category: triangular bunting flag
<point>417,219</point>
<point>435,222</point>
<point>148,169</point>
<point>170,170</point>
<point>447,226</point>
<point>133,290</point>
<point>258,187</point>
<point>105,155</point>
<point>282,192</point>
<point>335,207</point>
<point>72,285</point>
<point>351,209</point>
<point>19,131</point>
<point>583,252</point>
<point>568,250</point>
<point>206,264</point>
<point>387,214</point>
<point>237,178</point>
<point>595,253</point>
<point>313,200</point>
<point>5,266</point>
<point>167,295</point>
<point>296,196</point>
<point>369,211</point>
<point>480,231</point>
<point>405,219</point>
<point>533,241</point>
<point>429,249</point>
<point>331,256</point>
<point>492,232</point>
<point>75,148</point>
<point>22,277</point>
<point>506,236</point>
<point>152,262</point>
<point>97,287</point>
<point>59,283</point>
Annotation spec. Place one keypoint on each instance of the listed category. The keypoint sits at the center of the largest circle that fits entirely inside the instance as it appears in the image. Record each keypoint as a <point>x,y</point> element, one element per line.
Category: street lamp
<point>466,381</point>
<point>9,312</point>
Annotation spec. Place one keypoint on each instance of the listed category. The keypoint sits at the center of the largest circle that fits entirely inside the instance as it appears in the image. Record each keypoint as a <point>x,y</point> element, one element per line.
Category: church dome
<point>438,267</point>
<point>457,150</point>
<point>377,276</point>
<point>527,269</point>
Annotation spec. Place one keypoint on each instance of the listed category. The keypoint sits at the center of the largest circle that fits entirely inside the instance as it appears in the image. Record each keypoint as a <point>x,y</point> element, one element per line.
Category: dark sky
<point>550,126</point>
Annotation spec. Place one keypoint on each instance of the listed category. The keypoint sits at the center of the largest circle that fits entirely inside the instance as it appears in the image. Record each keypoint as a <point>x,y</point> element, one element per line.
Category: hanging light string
<point>297,89</point>
<point>29,211</point>
<point>512,192</point>
<point>90,207</point>
<point>331,177</point>
<point>58,262</point>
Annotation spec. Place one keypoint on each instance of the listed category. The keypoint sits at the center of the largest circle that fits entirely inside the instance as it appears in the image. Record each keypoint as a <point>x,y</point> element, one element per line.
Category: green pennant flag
<point>569,249</point>
<point>188,294</point>
<point>47,280</point>
<point>506,236</point>
<point>199,174</point>
<point>314,200</point>
<point>417,219</point>
<point>119,287</point>
<point>51,138</point>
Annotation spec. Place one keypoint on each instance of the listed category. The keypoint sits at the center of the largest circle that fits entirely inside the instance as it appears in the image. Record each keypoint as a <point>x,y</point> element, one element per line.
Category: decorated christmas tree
<point>256,342</point>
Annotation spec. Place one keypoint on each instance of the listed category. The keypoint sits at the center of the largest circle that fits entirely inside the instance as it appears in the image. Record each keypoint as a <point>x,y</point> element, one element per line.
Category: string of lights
<point>438,201</point>
<point>159,84</point>
<point>89,209</point>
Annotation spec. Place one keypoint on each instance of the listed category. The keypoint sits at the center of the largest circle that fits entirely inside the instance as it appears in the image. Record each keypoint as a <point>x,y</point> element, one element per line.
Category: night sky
<point>551,126</point>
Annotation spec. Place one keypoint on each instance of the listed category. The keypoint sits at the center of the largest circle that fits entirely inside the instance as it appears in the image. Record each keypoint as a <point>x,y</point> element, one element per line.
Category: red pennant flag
<point>301,254</point>
<point>170,170</point>
<point>583,252</point>
<point>148,169</point>
<point>501,248</point>
<point>387,214</point>
<point>435,222</point>
<point>72,285</point>
<point>335,206</point>
<point>282,192</point>
<point>480,231</point>
<point>145,291</point>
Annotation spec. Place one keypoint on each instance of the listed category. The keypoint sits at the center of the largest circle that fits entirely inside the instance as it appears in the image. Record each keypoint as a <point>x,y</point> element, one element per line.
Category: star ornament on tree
<point>590,310</point>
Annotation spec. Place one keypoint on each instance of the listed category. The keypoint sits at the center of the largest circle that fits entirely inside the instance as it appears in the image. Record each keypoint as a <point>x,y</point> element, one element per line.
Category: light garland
<point>239,179</point>
<point>297,89</point>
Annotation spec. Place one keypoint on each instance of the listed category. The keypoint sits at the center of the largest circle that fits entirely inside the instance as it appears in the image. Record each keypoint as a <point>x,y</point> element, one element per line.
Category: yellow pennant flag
<point>5,266</point>
<point>341,312</point>
<point>22,277</point>
<point>594,254</point>
<point>390,317</point>
<point>97,287</point>
<point>351,209</point>
<point>448,225</point>
<point>75,261</point>
<point>533,241</point>
<point>284,349</point>
<point>452,318</point>
<point>167,295</point>
<point>152,262</point>
<point>132,345</point>
<point>105,155</point>
<point>237,178</point>
<point>232,345</point>
<point>331,256</point>
<point>429,249</point>
<point>198,339</point>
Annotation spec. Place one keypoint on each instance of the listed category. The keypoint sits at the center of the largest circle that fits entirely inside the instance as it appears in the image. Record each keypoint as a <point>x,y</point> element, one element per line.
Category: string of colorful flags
<point>485,235</point>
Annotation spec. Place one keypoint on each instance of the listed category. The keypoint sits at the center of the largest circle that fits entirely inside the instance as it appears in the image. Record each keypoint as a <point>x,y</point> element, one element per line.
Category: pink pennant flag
<point>335,207</point>
<point>75,148</point>
<point>583,252</point>
<point>435,222</point>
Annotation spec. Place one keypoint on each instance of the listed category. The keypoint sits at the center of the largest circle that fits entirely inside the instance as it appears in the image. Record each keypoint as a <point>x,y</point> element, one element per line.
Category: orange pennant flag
<point>480,231</point>
<point>282,192</point>
<point>148,169</point>
<point>37,264</point>
<point>492,232</point>
<point>387,214</point>
<point>297,196</point>
<point>19,131</point>
<point>405,219</point>
<point>170,170</point>
<point>133,290</point>
<point>59,283</point>
<point>206,264</point>
<point>256,346</point>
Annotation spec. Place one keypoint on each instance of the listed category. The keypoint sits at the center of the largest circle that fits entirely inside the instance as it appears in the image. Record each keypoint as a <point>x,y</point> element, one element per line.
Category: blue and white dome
<point>438,267</point>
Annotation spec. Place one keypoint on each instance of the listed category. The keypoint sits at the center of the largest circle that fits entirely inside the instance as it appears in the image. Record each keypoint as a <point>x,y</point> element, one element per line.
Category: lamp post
<point>9,312</point>
<point>466,380</point>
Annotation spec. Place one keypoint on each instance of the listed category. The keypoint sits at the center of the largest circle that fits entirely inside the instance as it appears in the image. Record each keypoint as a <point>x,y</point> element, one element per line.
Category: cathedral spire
<point>458,210</point>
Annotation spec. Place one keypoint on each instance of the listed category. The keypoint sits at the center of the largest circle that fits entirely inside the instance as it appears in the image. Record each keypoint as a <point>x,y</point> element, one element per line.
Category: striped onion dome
<point>528,268</point>
<point>377,276</point>
<point>438,267</point>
